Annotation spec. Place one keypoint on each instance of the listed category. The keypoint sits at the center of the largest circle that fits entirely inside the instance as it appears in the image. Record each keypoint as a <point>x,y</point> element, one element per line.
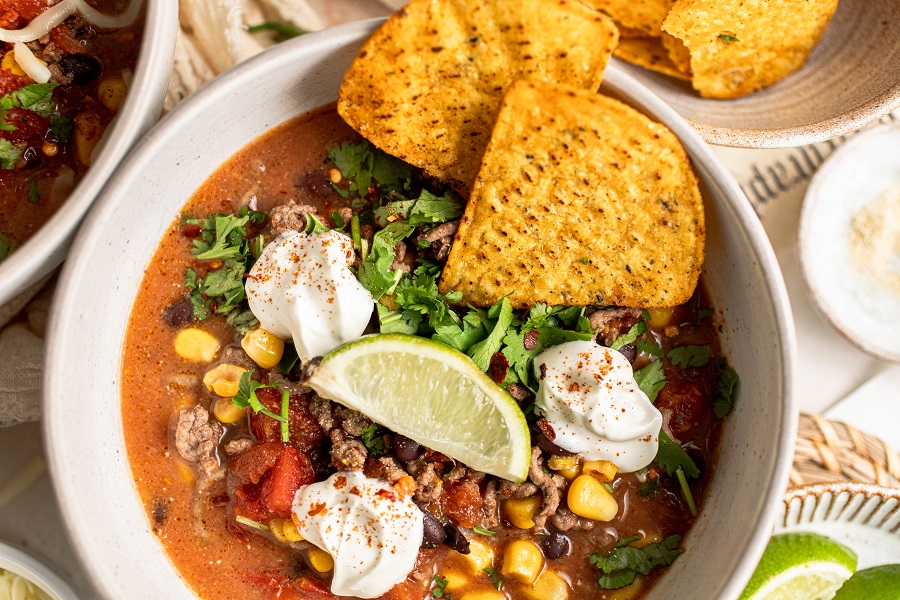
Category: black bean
<point>434,533</point>
<point>555,545</point>
<point>629,352</point>
<point>81,67</point>
<point>405,449</point>
<point>179,314</point>
<point>456,539</point>
<point>546,445</point>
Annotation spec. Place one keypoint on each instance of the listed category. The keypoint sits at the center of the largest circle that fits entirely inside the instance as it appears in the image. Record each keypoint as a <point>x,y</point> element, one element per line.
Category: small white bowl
<point>866,314</point>
<point>48,246</point>
<point>21,563</point>
<point>862,516</point>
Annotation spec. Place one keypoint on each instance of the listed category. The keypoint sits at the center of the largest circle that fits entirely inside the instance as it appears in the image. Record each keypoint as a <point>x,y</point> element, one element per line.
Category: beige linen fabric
<point>212,39</point>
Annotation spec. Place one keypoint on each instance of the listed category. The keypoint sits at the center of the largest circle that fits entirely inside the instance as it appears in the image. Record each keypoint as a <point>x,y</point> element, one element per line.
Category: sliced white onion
<point>50,18</point>
<point>30,63</point>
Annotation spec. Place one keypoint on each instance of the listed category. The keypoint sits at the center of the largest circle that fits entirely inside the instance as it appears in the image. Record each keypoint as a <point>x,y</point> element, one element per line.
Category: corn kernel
<point>290,531</point>
<point>187,475</point>
<point>226,412</point>
<point>549,586</point>
<point>111,92</point>
<point>660,317</point>
<point>276,526</point>
<point>9,64</point>
<point>522,560</point>
<point>601,469</point>
<point>649,537</point>
<point>628,592</point>
<point>480,556</point>
<point>266,349</point>
<point>484,595</point>
<point>520,511</point>
<point>589,499</point>
<point>223,378</point>
<point>196,345</point>
<point>320,560</point>
<point>567,466</point>
<point>456,582</point>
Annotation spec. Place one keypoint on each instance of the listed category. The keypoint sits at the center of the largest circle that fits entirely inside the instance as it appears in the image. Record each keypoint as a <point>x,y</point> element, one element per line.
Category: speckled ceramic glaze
<point>99,503</point>
<point>21,563</point>
<point>865,313</point>
<point>851,79</point>
<point>47,248</point>
<point>862,516</point>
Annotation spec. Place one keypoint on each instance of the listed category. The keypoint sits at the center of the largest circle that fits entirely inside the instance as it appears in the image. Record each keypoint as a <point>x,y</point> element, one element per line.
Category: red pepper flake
<point>317,509</point>
<point>498,367</point>
<point>388,494</point>
<point>340,482</point>
<point>531,339</point>
<point>191,231</point>
<point>547,429</point>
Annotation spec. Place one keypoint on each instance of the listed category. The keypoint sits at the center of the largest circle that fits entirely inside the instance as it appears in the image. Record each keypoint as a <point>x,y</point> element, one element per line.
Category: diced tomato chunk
<point>462,502</point>
<point>287,476</point>
<point>265,478</point>
<point>304,430</point>
<point>9,82</point>
<point>29,9</point>
<point>250,466</point>
<point>29,126</point>
<point>62,37</point>
<point>685,400</point>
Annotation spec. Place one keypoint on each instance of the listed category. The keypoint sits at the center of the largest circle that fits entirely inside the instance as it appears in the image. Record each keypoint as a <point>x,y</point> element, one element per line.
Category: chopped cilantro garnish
<point>651,379</point>
<point>280,30</point>
<point>251,523</point>
<point>314,225</point>
<point>482,531</point>
<point>285,412</point>
<point>686,491</point>
<point>60,128</point>
<point>672,457</point>
<point>7,246</point>
<point>688,357</point>
<point>35,97</point>
<point>429,209</point>
<point>705,313</point>
<point>33,195</point>
<point>361,164</point>
<point>482,352</point>
<point>289,359</point>
<point>650,347</point>
<point>440,587</point>
<point>648,488</point>
<point>495,578</point>
<point>624,563</point>
<point>9,154</point>
<point>636,331</point>
<point>338,220</point>
<point>728,38</point>
<point>372,440</point>
<point>723,397</point>
<point>246,397</point>
<point>375,272</point>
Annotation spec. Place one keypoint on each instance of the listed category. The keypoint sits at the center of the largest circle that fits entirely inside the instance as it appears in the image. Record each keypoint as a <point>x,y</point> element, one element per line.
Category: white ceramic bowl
<point>82,401</point>
<point>47,247</point>
<point>865,313</point>
<point>21,563</point>
<point>851,79</point>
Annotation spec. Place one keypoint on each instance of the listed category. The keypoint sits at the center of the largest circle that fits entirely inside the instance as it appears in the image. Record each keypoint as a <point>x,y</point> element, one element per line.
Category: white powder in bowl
<point>875,240</point>
<point>16,587</point>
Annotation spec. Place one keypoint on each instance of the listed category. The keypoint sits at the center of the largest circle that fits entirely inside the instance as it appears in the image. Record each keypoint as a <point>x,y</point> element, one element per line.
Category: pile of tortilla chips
<point>726,48</point>
<point>576,199</point>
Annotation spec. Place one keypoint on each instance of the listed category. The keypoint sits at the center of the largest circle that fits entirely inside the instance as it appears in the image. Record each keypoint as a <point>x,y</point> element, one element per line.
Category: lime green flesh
<point>800,566</point>
<point>875,583</point>
<point>433,394</point>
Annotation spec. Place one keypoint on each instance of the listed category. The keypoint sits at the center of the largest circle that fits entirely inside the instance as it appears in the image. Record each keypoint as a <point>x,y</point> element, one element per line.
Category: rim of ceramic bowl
<point>810,204</point>
<point>20,562</point>
<point>745,221</point>
<point>46,249</point>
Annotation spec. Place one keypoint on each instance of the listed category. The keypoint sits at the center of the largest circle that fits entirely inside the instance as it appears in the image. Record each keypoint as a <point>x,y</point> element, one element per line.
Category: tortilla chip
<point>739,47</point>
<point>639,15</point>
<point>426,87</point>
<point>650,54</point>
<point>580,200</point>
<point>678,52</point>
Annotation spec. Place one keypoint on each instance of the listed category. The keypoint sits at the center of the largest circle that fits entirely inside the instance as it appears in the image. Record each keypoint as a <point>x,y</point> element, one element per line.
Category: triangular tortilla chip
<point>427,85</point>
<point>739,47</point>
<point>580,200</point>
<point>650,54</point>
<point>645,16</point>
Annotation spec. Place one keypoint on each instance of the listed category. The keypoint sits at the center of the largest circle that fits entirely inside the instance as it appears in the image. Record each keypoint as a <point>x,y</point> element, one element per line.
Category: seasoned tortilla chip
<point>426,87</point>
<point>738,47</point>
<point>580,200</point>
<point>678,52</point>
<point>639,15</point>
<point>650,54</point>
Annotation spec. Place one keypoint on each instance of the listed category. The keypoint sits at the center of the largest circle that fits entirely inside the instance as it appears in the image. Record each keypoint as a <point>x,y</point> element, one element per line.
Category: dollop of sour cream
<point>301,288</point>
<point>372,532</point>
<point>589,395</point>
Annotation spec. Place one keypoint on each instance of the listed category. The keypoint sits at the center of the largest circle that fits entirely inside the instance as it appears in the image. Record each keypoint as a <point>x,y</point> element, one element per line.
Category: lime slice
<point>875,583</point>
<point>430,393</point>
<point>800,566</point>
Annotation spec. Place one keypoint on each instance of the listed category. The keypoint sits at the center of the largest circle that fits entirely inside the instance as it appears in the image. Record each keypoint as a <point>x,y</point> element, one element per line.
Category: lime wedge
<point>430,393</point>
<point>875,583</point>
<point>800,565</point>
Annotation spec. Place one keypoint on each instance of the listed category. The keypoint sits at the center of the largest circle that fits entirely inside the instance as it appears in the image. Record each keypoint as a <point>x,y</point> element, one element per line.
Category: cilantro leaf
<point>373,442</point>
<point>483,531</point>
<point>35,97</point>
<point>724,396</point>
<point>495,578</point>
<point>439,591</point>
<point>429,209</point>
<point>726,37</point>
<point>314,226</point>
<point>246,397</point>
<point>221,237</point>
<point>7,246</point>
<point>482,352</point>
<point>688,357</point>
<point>9,154</point>
<point>705,313</point>
<point>671,457</point>
<point>390,172</point>
<point>651,379</point>
<point>281,31</point>
<point>360,164</point>
<point>623,563</point>
<point>393,211</point>
<point>375,271</point>
<point>650,347</point>
<point>395,321</point>
<point>33,194</point>
<point>243,320</point>
<point>636,331</point>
